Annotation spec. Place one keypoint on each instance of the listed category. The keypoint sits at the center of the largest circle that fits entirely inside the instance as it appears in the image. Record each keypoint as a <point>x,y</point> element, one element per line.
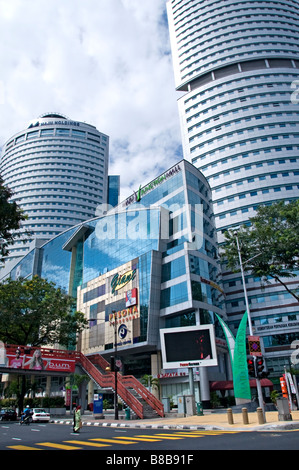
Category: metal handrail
<point>107,381</point>
<point>131,381</point>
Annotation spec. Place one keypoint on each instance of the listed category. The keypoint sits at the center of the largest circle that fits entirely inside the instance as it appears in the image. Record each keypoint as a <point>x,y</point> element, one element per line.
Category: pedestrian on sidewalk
<point>77,419</point>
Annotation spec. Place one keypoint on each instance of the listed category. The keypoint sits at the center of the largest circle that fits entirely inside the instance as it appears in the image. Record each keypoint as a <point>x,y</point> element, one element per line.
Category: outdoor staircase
<point>133,394</point>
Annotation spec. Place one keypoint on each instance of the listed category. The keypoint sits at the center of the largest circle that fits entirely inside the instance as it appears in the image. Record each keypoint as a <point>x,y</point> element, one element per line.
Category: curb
<point>208,427</point>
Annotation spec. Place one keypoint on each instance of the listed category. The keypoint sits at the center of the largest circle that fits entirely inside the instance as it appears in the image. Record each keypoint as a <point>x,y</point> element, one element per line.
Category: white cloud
<point>105,62</point>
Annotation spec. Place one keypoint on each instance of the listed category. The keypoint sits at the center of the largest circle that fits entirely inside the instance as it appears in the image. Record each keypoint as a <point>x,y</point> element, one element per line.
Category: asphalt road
<point>185,446</point>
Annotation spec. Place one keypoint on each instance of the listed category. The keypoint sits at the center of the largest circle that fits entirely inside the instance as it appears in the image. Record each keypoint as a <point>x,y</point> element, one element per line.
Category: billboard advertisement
<point>191,346</point>
<point>37,359</point>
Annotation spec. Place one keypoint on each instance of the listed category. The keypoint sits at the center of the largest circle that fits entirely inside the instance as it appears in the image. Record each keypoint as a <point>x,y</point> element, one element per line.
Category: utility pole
<point>258,383</point>
<point>115,369</point>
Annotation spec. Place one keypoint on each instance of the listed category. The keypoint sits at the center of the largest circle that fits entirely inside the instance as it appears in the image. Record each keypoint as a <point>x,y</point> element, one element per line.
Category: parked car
<point>8,415</point>
<point>40,414</point>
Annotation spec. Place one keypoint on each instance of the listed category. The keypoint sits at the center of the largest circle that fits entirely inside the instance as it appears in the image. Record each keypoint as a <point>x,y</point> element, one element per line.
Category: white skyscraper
<point>236,66</point>
<point>57,169</point>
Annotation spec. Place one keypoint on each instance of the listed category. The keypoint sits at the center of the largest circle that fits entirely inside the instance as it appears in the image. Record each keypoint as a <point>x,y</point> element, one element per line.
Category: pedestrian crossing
<point>99,442</point>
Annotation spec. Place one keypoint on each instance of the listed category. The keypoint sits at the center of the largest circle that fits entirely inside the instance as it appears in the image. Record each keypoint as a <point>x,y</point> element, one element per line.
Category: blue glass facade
<point>150,263</point>
<point>113,190</point>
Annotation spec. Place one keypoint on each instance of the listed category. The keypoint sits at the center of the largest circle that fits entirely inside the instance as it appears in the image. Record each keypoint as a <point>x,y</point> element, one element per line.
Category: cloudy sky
<point>105,62</point>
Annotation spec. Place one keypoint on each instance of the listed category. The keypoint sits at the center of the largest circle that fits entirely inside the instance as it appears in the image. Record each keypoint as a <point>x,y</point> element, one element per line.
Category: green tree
<point>269,246</point>
<point>150,381</point>
<point>11,217</point>
<point>35,312</point>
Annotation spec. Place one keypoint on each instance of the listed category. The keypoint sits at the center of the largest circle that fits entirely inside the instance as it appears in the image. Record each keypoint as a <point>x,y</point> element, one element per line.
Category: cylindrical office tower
<point>57,169</point>
<point>236,64</point>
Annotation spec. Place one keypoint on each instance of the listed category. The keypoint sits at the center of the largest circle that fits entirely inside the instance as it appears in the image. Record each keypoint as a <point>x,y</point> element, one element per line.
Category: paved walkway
<point>209,421</point>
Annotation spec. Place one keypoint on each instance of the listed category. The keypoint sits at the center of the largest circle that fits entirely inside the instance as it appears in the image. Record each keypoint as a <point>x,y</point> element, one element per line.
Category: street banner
<point>38,359</point>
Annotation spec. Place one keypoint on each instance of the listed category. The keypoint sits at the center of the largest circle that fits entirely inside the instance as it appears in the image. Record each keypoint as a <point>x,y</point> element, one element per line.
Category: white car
<point>40,414</point>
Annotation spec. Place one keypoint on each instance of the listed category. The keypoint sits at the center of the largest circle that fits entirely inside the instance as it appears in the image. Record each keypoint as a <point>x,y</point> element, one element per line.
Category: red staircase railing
<point>105,379</point>
<point>129,381</point>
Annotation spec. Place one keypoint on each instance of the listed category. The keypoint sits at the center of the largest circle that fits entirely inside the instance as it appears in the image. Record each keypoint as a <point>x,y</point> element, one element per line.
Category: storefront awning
<point>229,385</point>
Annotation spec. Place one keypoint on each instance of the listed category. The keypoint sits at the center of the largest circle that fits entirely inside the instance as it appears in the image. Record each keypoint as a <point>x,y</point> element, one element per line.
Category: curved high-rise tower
<point>236,64</point>
<point>57,169</point>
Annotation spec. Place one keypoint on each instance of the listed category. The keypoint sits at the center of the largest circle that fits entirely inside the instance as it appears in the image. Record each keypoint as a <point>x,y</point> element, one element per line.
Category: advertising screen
<point>192,346</point>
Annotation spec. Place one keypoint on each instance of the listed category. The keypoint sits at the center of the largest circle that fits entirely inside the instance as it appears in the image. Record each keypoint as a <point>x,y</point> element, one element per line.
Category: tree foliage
<point>11,217</point>
<point>35,312</point>
<point>269,246</point>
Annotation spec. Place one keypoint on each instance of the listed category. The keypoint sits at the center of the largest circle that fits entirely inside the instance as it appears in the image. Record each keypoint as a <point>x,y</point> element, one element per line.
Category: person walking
<point>77,419</point>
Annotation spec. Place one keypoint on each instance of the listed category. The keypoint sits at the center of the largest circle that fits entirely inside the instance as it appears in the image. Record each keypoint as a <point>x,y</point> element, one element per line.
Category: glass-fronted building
<point>149,264</point>
<point>113,190</point>
<point>236,72</point>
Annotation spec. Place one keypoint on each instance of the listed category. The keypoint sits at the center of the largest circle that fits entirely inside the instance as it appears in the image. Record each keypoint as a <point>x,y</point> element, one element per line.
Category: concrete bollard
<point>260,416</point>
<point>230,416</point>
<point>245,416</point>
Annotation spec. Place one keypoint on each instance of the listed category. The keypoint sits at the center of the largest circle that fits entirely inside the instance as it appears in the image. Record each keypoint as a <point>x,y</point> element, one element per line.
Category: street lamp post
<point>258,383</point>
<point>115,369</point>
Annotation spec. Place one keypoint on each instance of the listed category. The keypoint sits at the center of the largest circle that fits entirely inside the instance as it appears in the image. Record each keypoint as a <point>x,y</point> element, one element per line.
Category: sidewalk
<point>209,421</point>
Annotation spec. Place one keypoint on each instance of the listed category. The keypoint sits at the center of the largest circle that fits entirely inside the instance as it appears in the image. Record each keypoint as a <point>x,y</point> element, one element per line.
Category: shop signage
<point>212,284</point>
<point>277,326</point>
<point>122,331</point>
<point>125,314</point>
<point>39,359</point>
<point>131,297</point>
<point>120,280</point>
<point>170,375</point>
<point>136,197</point>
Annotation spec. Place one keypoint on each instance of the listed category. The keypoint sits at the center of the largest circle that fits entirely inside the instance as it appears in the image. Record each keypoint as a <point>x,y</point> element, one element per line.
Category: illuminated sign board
<point>156,182</point>
<point>120,280</point>
<point>124,315</point>
<point>191,346</point>
<point>131,297</point>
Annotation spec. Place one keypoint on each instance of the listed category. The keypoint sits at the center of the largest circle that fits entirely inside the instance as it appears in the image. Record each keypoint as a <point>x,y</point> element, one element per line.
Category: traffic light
<point>260,366</point>
<point>251,366</point>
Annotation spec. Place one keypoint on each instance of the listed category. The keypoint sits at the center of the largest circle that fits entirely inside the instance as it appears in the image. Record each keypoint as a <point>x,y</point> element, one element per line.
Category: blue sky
<point>105,62</point>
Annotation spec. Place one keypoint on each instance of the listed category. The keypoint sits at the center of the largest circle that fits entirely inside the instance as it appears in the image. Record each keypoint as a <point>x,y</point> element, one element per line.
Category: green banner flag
<point>240,368</point>
<point>237,350</point>
<point>229,338</point>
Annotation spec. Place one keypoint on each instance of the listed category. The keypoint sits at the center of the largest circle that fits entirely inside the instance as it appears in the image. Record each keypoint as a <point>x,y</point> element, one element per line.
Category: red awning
<point>229,385</point>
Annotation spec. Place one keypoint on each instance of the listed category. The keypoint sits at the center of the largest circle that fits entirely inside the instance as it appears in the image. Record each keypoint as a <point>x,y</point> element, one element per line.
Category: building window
<point>174,295</point>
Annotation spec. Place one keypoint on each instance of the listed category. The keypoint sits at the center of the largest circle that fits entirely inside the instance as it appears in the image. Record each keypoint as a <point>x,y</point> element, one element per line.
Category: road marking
<point>112,441</point>
<point>86,443</point>
<point>148,438</point>
<point>20,447</point>
<point>57,446</point>
<point>162,436</point>
<point>173,434</point>
<point>186,434</point>
<point>207,432</point>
